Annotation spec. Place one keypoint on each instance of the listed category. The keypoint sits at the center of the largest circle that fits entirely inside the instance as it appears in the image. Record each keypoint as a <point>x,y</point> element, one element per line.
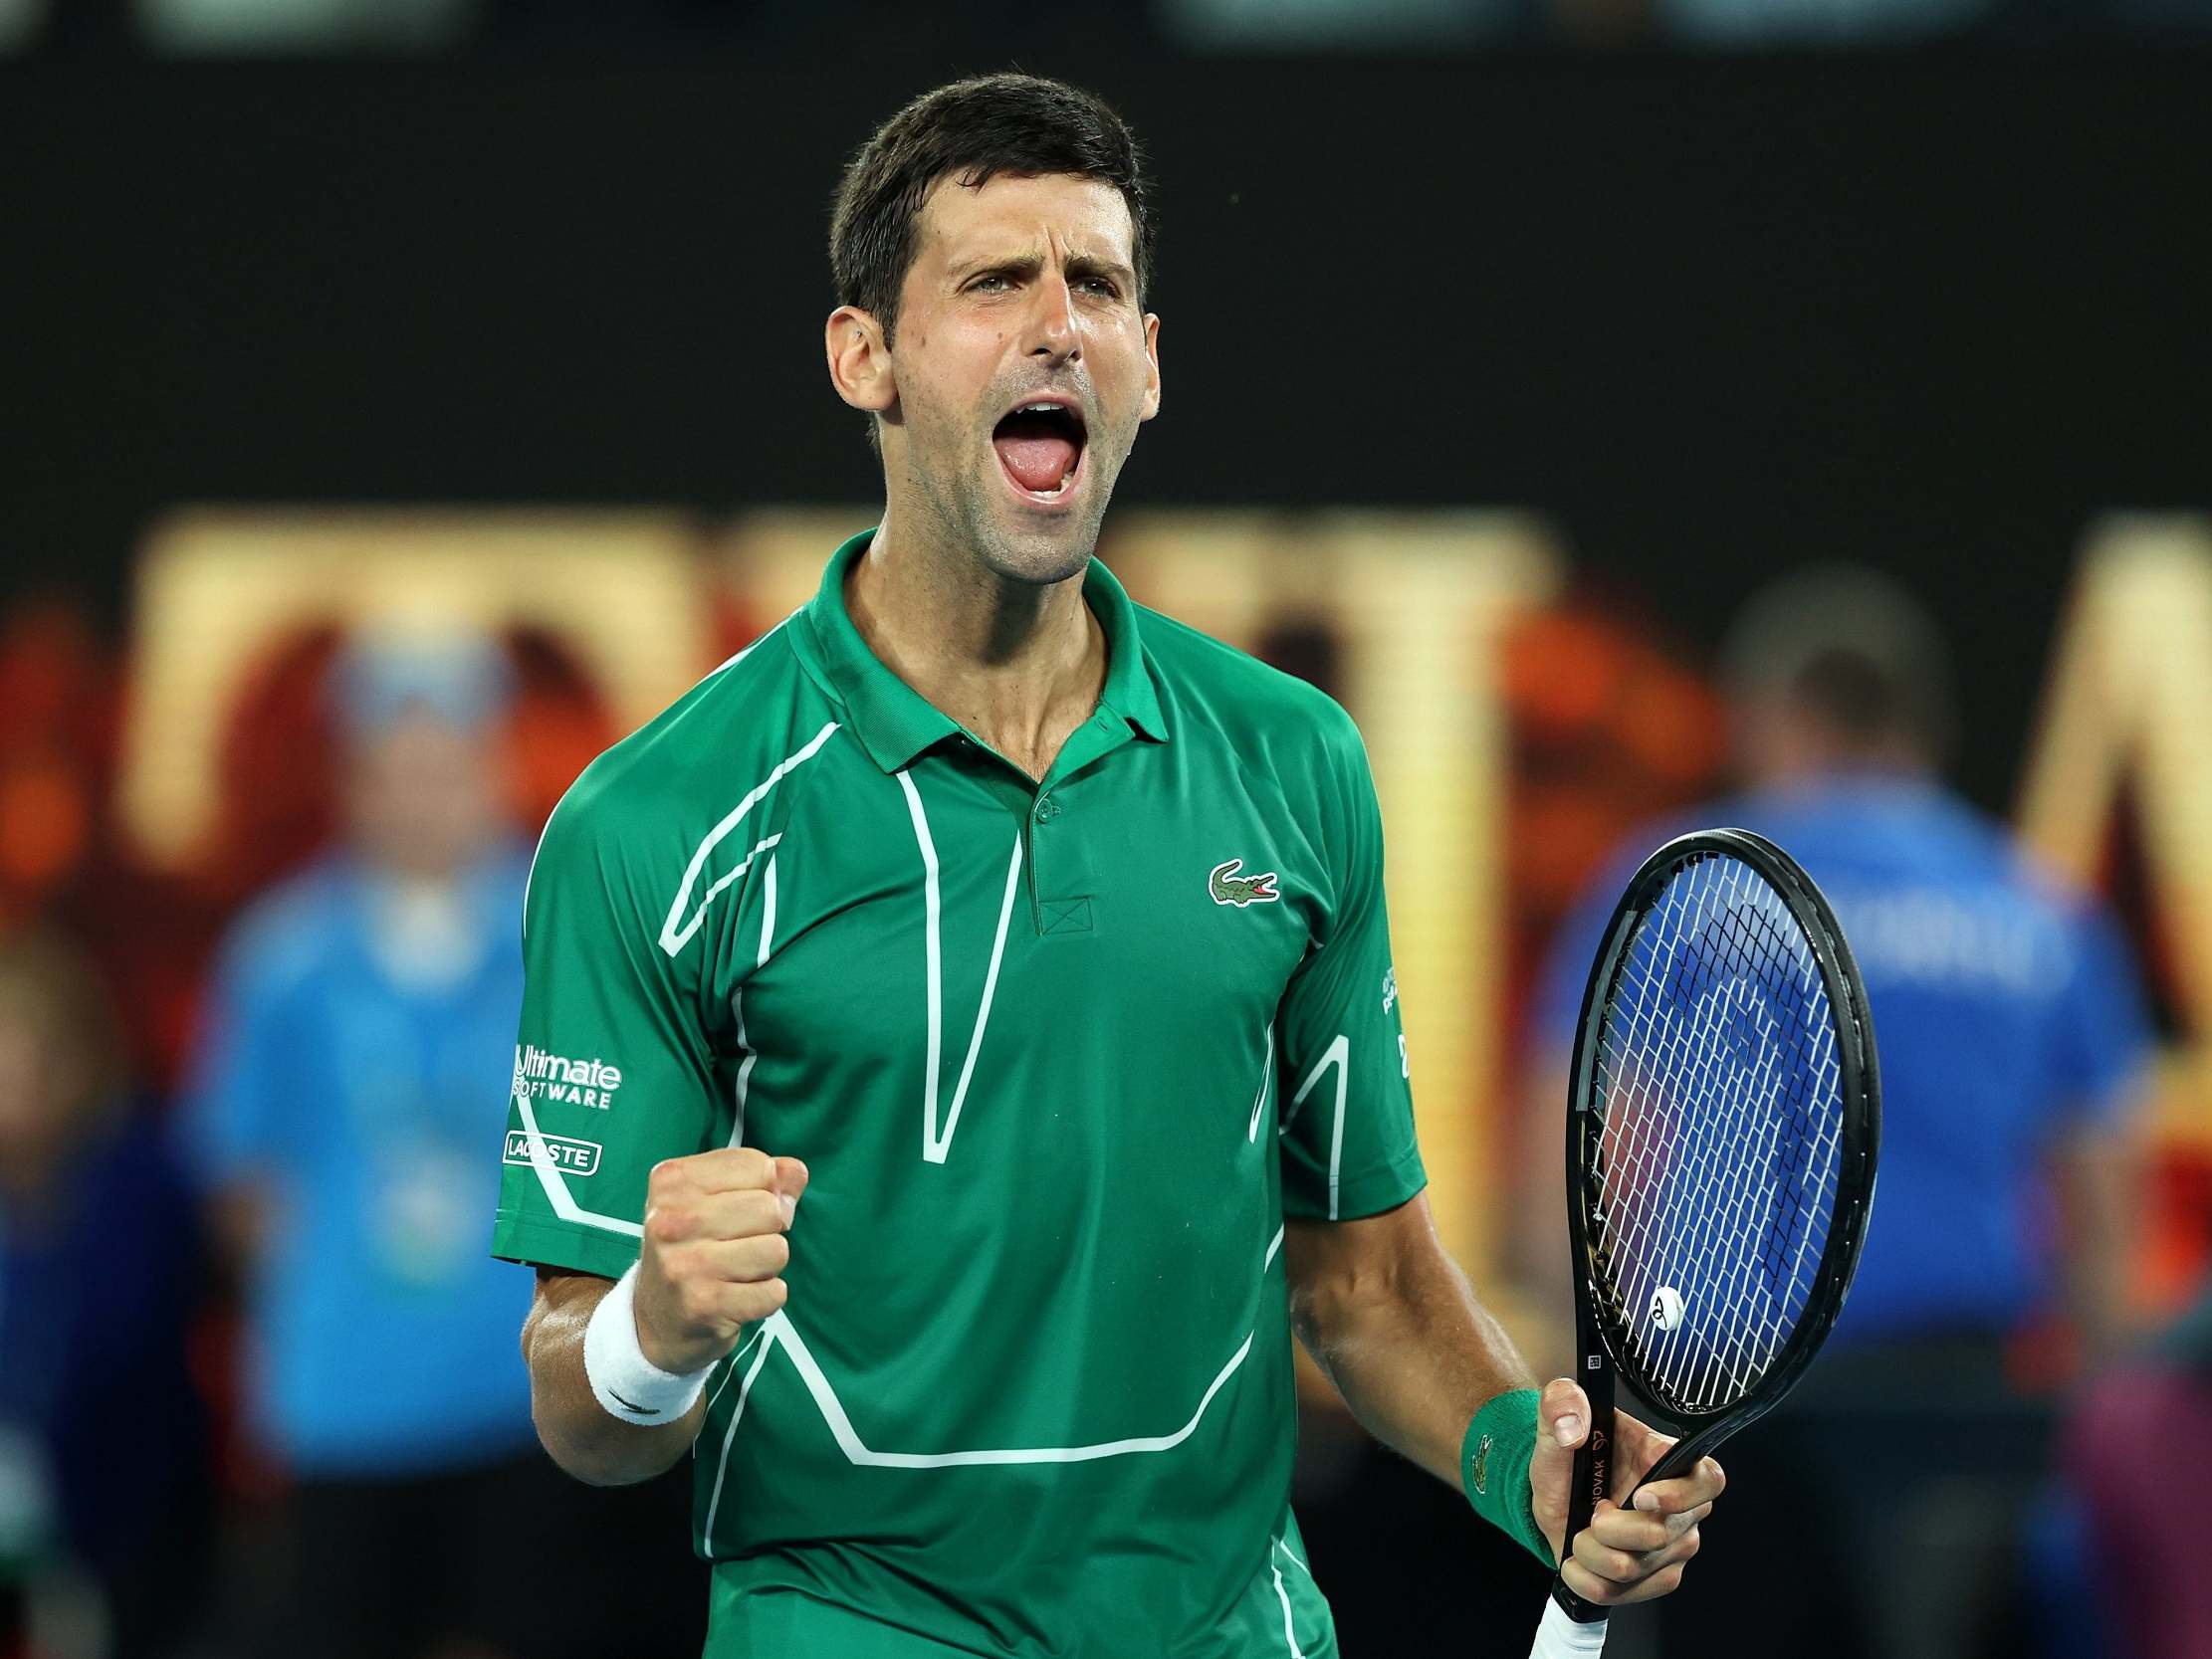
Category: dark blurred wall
<point>1933,310</point>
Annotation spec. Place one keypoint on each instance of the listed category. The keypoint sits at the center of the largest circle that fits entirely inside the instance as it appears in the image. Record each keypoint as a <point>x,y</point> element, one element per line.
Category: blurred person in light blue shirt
<point>349,1076</point>
<point>348,1104</point>
<point>2013,1040</point>
<point>347,1097</point>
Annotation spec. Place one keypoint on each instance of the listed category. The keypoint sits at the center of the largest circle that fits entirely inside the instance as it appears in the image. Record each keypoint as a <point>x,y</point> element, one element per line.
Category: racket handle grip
<point>1562,1636</point>
<point>1573,1606</point>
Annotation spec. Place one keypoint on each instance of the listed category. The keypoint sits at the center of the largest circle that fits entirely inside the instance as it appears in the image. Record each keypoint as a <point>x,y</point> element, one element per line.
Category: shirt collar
<point>895,722</point>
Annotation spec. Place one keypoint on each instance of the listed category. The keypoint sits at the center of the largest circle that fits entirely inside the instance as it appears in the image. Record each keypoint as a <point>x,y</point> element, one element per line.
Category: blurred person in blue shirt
<point>100,1276</point>
<point>344,1088</point>
<point>2012,1039</point>
<point>348,1103</point>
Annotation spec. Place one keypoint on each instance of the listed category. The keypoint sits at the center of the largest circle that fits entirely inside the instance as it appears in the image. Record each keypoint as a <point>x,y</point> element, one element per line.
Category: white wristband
<point>624,1382</point>
<point>1560,1637</point>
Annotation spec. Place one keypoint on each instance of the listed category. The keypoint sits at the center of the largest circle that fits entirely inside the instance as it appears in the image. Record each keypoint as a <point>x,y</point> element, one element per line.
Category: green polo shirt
<point>1060,1056</point>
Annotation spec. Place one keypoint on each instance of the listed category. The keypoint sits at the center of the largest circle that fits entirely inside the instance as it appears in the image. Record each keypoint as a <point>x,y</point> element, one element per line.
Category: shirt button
<point>1047,809</point>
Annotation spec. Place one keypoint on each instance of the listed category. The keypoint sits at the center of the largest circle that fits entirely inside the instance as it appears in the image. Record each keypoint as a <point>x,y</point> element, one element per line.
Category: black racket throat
<point>1723,1132</point>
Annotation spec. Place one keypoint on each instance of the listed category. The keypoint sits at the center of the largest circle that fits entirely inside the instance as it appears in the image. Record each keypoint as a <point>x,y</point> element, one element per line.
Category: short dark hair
<point>1849,647</point>
<point>1860,697</point>
<point>972,131</point>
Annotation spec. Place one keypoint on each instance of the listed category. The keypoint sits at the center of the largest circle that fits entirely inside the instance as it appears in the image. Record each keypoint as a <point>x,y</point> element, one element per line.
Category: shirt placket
<point>1062,883</point>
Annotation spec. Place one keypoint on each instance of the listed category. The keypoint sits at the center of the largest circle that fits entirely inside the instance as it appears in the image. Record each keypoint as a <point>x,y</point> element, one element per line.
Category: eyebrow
<point>1027,266</point>
<point>1090,265</point>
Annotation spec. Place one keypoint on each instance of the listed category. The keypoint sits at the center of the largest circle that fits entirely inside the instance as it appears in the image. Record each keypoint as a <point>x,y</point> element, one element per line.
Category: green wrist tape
<point>1493,1468</point>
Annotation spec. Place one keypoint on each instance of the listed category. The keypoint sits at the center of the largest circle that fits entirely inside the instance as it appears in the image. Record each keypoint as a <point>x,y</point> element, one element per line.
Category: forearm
<point>1404,1340</point>
<point>578,1432</point>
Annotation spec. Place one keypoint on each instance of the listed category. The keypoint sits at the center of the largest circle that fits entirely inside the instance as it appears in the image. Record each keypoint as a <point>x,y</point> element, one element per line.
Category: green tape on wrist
<point>1493,1468</point>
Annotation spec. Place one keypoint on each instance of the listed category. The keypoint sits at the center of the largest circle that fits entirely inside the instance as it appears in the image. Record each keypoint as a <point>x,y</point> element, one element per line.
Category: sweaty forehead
<point>1025,214</point>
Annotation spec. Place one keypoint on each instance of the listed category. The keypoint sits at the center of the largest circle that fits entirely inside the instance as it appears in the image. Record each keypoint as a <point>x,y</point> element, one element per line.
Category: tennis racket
<point>1723,1119</point>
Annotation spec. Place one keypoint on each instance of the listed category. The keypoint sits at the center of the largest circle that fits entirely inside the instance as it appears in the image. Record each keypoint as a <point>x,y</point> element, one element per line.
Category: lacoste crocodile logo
<point>1228,887</point>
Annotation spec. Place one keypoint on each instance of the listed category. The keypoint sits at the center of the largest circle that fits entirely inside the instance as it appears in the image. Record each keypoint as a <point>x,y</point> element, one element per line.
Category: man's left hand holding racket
<point>1622,1555</point>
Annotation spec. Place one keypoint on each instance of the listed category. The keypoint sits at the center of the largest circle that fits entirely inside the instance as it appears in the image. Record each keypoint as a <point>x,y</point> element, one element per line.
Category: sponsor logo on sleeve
<point>571,1157</point>
<point>549,1077</point>
<point>1228,887</point>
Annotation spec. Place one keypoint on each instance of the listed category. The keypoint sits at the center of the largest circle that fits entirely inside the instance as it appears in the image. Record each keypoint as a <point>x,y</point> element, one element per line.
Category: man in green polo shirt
<point>960,1040</point>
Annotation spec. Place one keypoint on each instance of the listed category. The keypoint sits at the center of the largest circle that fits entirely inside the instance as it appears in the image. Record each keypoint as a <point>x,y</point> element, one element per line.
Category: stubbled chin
<point>1038,558</point>
<point>1038,547</point>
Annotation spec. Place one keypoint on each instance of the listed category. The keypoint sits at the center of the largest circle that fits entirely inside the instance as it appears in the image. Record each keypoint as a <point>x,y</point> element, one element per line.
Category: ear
<point>859,361</point>
<point>1152,369</point>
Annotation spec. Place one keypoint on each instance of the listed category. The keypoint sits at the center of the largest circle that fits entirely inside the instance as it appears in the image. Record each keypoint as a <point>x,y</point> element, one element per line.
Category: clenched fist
<point>716,1228</point>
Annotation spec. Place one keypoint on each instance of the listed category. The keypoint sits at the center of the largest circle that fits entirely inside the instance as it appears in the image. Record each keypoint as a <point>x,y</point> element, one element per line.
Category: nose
<point>1053,334</point>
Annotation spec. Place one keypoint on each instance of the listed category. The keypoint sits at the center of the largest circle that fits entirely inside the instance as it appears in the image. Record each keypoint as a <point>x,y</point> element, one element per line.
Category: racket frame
<point>1602,1359</point>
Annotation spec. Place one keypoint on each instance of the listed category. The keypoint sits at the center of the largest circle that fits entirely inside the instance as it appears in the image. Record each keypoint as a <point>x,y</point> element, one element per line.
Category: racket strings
<point>1721,1094</point>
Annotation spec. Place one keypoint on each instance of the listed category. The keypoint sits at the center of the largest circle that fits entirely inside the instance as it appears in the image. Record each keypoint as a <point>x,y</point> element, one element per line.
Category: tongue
<point>1037,462</point>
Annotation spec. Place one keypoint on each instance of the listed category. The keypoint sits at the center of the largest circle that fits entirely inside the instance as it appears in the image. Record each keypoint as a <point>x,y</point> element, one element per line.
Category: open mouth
<point>1041,445</point>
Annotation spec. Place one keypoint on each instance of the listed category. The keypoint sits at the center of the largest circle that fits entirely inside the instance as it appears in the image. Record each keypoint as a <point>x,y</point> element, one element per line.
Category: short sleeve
<point>613,1069</point>
<point>1346,1107</point>
<point>2101,1038</point>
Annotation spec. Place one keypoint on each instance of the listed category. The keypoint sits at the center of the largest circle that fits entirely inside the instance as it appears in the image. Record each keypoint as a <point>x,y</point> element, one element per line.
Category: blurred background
<point>1639,412</point>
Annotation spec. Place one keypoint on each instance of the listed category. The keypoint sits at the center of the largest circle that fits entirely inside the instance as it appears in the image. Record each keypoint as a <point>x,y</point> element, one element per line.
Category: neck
<point>1018,663</point>
<point>1828,764</point>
